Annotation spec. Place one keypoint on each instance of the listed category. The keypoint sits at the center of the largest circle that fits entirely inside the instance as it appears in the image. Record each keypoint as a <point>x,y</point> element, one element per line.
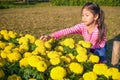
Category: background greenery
<point>43,18</point>
<point>81,2</point>
<point>27,3</point>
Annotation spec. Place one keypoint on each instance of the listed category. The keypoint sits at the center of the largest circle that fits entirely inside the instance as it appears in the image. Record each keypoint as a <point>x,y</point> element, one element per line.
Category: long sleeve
<point>82,30</point>
<point>94,37</point>
<point>77,29</point>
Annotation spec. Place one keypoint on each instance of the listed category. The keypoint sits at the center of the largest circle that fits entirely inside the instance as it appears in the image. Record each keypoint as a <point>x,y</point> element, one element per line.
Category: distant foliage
<point>81,2</point>
<point>5,4</point>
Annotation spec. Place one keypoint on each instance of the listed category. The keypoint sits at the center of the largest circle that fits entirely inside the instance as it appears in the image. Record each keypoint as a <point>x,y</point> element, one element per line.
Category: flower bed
<point>23,57</point>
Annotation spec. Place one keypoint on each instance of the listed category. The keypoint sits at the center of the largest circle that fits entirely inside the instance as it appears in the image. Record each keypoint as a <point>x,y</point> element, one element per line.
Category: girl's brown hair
<point>95,9</point>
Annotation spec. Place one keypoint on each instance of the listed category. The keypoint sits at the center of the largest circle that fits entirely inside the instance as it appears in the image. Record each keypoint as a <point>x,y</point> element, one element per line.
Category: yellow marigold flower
<point>53,54</point>
<point>89,76</point>
<point>14,77</point>
<point>23,62</point>
<point>81,58</point>
<point>57,70</point>
<point>54,61</point>
<point>71,56</point>
<point>41,66</point>
<point>33,60</point>
<point>109,72</point>
<point>15,50</point>
<point>68,42</point>
<point>12,34</point>
<point>27,54</point>
<point>51,40</point>
<point>113,72</point>
<point>40,49</point>
<point>116,76</point>
<point>100,69</point>
<point>2,45</point>
<point>23,48</point>
<point>32,79</point>
<point>8,48</point>
<point>40,58</point>
<point>48,45</point>
<point>86,44</point>
<point>5,34</point>
<point>59,48</point>
<point>30,38</point>
<point>81,42</point>
<point>81,50</point>
<point>14,56</point>
<point>35,52</point>
<point>2,74</point>
<point>2,62</point>
<point>39,43</point>
<point>65,59</point>
<point>12,45</point>
<point>81,79</point>
<point>93,58</point>
<point>4,54</point>
<point>76,68</point>
<point>23,40</point>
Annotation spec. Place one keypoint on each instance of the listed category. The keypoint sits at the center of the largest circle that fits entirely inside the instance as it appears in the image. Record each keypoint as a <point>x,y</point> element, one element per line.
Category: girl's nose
<point>83,18</point>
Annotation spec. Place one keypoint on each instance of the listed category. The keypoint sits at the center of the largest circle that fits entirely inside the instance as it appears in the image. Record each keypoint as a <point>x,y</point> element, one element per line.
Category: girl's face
<point>88,18</point>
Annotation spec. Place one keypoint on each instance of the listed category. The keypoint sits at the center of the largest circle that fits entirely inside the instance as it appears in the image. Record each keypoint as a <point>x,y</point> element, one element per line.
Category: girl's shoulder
<point>80,25</point>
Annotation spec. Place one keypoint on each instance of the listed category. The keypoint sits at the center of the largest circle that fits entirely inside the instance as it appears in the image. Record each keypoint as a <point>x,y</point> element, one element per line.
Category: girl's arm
<point>77,29</point>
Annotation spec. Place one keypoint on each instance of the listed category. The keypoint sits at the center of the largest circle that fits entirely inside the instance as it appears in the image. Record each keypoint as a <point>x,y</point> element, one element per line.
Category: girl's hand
<point>45,37</point>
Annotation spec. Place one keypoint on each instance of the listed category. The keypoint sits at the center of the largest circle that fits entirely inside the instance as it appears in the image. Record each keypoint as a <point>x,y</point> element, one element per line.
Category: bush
<point>23,57</point>
<point>4,4</point>
<point>82,2</point>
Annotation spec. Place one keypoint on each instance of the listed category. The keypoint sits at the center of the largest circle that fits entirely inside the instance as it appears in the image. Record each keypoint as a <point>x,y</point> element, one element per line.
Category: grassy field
<point>47,19</point>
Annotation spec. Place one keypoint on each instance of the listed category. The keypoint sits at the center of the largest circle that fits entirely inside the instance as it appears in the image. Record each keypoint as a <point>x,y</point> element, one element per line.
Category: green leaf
<point>11,68</point>
<point>32,47</point>
<point>54,44</point>
<point>40,76</point>
<point>74,53</point>
<point>72,76</point>
<point>14,41</point>
<point>30,72</point>
<point>88,66</point>
<point>69,50</point>
<point>102,77</point>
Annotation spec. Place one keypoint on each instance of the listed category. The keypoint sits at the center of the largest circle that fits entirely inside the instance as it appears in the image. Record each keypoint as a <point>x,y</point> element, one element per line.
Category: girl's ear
<point>96,16</point>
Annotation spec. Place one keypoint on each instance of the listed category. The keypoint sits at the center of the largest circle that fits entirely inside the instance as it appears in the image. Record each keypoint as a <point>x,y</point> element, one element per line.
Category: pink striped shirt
<point>82,30</point>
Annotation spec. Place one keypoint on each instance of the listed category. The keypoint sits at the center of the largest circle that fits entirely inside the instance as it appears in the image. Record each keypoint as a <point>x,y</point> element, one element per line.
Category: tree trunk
<point>115,53</point>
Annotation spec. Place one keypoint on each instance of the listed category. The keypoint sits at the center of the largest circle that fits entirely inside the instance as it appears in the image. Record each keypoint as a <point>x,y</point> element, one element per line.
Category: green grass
<point>40,19</point>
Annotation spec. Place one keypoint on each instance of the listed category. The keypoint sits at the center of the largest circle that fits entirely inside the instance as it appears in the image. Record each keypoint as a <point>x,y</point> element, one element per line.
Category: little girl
<point>92,29</point>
